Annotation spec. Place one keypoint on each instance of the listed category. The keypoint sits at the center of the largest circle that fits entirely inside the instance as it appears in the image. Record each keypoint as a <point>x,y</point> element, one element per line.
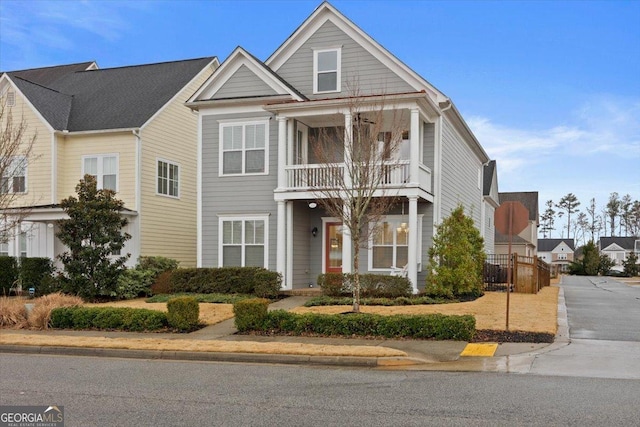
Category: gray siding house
<point>256,122</point>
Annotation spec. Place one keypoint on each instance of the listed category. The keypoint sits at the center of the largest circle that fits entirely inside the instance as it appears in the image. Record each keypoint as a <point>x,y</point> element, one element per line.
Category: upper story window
<point>244,148</point>
<point>103,167</point>
<point>168,178</point>
<point>14,175</point>
<point>326,70</point>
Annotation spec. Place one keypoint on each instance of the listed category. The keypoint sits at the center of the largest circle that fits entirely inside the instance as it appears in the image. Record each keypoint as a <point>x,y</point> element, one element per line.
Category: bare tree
<point>594,220</point>
<point>613,210</point>
<point>16,152</point>
<point>626,214</point>
<point>548,219</point>
<point>569,203</point>
<point>355,191</point>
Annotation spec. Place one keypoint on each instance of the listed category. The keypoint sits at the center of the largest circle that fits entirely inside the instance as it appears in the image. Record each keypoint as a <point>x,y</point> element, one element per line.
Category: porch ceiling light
<point>313,205</point>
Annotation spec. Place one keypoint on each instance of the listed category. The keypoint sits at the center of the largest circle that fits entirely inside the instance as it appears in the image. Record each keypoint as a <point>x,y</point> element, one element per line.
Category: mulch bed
<point>489,335</point>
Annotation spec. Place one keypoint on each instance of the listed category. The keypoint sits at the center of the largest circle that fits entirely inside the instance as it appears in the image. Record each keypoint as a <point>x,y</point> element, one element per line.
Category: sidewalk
<point>220,343</point>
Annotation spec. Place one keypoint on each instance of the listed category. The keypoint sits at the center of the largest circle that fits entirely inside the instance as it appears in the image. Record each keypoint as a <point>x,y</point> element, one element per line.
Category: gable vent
<point>11,98</point>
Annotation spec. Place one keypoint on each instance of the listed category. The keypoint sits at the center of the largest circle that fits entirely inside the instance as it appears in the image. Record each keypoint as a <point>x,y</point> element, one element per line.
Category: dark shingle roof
<point>53,105</point>
<point>515,239</point>
<point>627,243</point>
<point>528,198</point>
<point>547,245</point>
<point>46,76</point>
<point>114,98</point>
<point>489,168</point>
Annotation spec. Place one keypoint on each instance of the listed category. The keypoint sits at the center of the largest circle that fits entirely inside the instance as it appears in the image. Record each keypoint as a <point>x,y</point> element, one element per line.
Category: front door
<point>333,247</point>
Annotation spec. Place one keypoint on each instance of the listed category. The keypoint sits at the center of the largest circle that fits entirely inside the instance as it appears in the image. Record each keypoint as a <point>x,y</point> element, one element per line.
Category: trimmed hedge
<point>371,285</point>
<point>399,301</point>
<point>183,313</point>
<point>253,316</point>
<point>208,298</point>
<point>226,280</point>
<point>9,269</point>
<point>108,318</point>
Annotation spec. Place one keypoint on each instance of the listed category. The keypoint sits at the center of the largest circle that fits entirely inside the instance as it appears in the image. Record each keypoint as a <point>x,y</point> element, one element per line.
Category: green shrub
<point>9,269</point>
<point>157,264</point>
<point>429,326</point>
<point>333,284</point>
<point>183,313</point>
<point>208,298</point>
<point>371,285</point>
<point>162,284</point>
<point>134,283</point>
<point>414,300</point>
<point>108,318</point>
<point>33,271</point>
<point>250,314</point>
<point>239,280</point>
<point>267,283</point>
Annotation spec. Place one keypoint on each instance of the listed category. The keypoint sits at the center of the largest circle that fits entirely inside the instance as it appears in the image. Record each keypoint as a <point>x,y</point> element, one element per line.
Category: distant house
<point>257,164</point>
<point>129,128</point>
<point>558,252</point>
<point>526,242</point>
<point>619,248</point>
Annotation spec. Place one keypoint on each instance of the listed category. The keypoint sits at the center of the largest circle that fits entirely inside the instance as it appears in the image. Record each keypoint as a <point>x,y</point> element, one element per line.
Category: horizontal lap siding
<point>168,225</point>
<point>302,241</point>
<point>358,65</point>
<point>459,175</point>
<point>243,83</point>
<point>39,167</point>
<point>241,195</point>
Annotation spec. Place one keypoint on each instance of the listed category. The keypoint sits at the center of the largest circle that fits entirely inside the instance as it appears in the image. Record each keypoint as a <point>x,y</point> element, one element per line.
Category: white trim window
<point>389,243</point>
<point>327,64</point>
<point>103,167</point>
<point>243,241</point>
<point>244,148</point>
<point>168,183</point>
<point>4,244</point>
<point>14,177</point>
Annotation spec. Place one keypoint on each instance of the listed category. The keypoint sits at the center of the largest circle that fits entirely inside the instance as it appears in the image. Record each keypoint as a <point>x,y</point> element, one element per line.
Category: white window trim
<point>243,123</point>
<point>26,176</point>
<point>169,163</point>
<point>395,218</point>
<point>247,217</point>
<point>100,175</point>
<point>338,71</point>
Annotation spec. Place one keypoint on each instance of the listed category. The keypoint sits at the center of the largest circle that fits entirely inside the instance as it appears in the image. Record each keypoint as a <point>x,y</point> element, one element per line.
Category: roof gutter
<point>94,132</point>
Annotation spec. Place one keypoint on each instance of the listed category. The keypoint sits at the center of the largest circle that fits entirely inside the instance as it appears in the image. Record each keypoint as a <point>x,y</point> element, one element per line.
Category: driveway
<point>604,330</point>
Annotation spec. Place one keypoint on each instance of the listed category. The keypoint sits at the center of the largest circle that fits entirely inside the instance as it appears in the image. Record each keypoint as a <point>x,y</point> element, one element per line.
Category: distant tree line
<point>620,217</point>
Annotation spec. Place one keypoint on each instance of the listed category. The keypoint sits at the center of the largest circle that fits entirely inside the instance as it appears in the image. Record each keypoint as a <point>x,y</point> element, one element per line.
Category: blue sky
<point>551,89</point>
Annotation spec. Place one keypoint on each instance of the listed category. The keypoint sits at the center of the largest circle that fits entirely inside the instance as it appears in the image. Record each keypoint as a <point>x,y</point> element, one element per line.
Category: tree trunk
<point>355,240</point>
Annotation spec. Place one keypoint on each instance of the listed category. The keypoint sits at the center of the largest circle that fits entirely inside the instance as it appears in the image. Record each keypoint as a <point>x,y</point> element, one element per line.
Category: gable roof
<point>46,76</point>
<point>548,245</point>
<point>109,98</point>
<point>528,198</point>
<point>488,173</point>
<point>626,243</point>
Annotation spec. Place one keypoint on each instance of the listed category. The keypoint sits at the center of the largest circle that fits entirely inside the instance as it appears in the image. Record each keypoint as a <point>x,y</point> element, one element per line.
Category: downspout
<point>138,187</point>
<point>437,166</point>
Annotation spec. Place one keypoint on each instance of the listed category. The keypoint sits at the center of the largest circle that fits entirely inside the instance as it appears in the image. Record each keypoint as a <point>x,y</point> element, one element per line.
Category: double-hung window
<point>14,175</point>
<point>243,241</point>
<point>104,168</point>
<point>4,244</point>
<point>168,178</point>
<point>244,148</point>
<point>389,246</point>
<point>326,70</point>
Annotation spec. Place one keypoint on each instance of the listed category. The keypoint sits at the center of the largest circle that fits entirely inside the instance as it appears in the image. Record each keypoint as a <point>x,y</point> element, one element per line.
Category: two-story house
<point>557,252</point>
<point>257,120</point>
<point>526,242</point>
<point>619,249</point>
<point>126,126</point>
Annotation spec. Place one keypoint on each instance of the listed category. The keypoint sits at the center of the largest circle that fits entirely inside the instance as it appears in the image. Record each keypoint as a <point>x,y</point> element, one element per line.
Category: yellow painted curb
<point>481,350</point>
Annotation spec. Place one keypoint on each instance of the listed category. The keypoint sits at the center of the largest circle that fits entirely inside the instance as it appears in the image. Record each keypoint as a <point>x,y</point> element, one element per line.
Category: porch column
<point>412,270</point>
<point>282,153</point>
<point>288,283</point>
<point>281,242</point>
<point>347,257</point>
<point>415,146</point>
<point>348,142</point>
<point>51,235</point>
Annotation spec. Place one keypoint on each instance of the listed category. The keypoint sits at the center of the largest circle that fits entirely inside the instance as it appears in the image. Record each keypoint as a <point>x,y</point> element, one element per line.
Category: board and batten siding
<point>360,69</point>
<point>243,83</point>
<point>168,225</point>
<point>38,183</point>
<point>237,195</point>
<point>461,182</point>
<point>72,149</point>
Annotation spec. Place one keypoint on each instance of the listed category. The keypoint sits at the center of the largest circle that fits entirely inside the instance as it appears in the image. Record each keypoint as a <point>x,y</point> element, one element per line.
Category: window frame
<point>221,151</point>
<point>396,220</point>
<point>10,168</point>
<point>338,70</point>
<point>244,218</point>
<point>100,168</point>
<point>169,163</point>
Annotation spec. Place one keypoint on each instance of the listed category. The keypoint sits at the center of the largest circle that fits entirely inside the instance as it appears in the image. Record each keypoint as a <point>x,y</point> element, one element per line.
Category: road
<point>122,392</point>
<point>604,330</point>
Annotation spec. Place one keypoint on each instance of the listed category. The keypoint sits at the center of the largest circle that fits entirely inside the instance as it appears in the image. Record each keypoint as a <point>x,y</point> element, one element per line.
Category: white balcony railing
<point>314,176</point>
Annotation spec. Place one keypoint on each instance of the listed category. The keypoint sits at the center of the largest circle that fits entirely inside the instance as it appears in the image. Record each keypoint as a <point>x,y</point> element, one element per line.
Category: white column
<point>51,235</point>
<point>415,146</point>
<point>282,152</point>
<point>347,257</point>
<point>281,232</point>
<point>412,270</point>
<point>437,173</point>
<point>288,284</point>
<point>348,142</point>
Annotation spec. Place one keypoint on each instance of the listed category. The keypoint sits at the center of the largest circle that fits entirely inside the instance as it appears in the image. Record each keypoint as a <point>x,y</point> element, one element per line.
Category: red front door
<point>333,247</point>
